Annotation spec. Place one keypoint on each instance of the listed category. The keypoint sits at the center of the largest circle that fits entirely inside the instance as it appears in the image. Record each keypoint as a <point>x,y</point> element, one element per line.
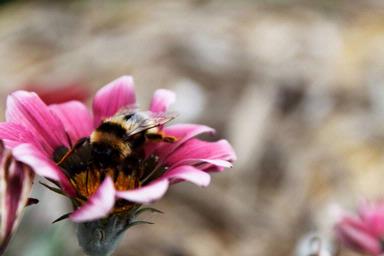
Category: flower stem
<point>101,237</point>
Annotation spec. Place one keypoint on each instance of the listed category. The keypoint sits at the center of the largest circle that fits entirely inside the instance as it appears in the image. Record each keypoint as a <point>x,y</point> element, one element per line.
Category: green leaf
<point>62,217</point>
<point>56,190</point>
<point>139,222</point>
<point>147,209</point>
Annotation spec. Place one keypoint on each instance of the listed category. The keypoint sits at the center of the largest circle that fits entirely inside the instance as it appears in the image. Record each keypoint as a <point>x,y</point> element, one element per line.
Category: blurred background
<point>295,85</point>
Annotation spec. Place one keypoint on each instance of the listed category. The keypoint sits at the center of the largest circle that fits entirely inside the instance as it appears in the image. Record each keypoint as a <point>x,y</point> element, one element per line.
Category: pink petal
<point>209,163</point>
<point>98,205</point>
<point>15,134</point>
<point>161,100</point>
<point>187,131</point>
<point>15,187</point>
<point>358,239</point>
<point>183,133</point>
<point>76,118</point>
<point>372,214</point>
<point>28,110</point>
<point>42,165</point>
<point>147,193</point>
<point>196,152</point>
<point>188,173</point>
<point>112,97</point>
<point>354,222</point>
<point>375,224</point>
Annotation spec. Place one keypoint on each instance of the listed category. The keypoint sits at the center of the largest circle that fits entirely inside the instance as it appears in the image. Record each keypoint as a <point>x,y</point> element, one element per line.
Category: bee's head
<point>105,154</point>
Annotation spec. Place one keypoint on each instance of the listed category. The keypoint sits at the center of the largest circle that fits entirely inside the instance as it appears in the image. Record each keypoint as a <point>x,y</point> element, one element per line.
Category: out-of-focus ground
<point>296,86</point>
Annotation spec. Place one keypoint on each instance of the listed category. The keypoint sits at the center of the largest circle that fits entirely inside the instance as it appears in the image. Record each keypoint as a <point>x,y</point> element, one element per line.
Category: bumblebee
<point>114,148</point>
<point>121,136</point>
<point>118,138</point>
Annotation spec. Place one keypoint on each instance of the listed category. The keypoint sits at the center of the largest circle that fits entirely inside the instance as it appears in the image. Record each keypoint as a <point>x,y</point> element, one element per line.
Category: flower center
<point>87,182</point>
<point>86,175</point>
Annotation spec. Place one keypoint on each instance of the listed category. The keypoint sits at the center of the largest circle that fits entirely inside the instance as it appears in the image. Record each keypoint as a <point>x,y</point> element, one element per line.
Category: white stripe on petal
<point>147,193</point>
<point>188,173</point>
<point>161,100</point>
<point>98,205</point>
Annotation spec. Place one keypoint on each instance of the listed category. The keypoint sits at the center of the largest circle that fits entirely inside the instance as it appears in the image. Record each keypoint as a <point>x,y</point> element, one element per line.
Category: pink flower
<point>15,186</point>
<point>41,134</point>
<point>363,233</point>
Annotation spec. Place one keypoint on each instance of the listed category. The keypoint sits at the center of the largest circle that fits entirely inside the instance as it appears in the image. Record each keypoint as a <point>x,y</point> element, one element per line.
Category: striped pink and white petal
<point>75,117</point>
<point>161,100</point>
<point>99,205</point>
<point>203,154</point>
<point>146,194</point>
<point>111,98</point>
<point>28,110</point>
<point>15,186</point>
<point>42,165</point>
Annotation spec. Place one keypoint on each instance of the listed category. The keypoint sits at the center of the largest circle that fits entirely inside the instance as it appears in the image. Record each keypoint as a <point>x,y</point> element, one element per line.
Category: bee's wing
<point>127,111</point>
<point>144,120</point>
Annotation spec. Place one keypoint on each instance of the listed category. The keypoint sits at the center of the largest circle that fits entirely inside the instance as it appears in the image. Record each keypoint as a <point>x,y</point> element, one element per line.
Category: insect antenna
<point>86,180</point>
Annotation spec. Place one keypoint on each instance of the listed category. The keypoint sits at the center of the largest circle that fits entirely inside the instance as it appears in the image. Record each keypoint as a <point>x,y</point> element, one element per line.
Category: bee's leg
<point>169,139</point>
<point>78,144</point>
<point>159,136</point>
<point>154,136</point>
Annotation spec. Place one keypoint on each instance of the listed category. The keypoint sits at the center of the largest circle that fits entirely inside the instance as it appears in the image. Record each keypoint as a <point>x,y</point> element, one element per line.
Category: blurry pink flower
<point>15,186</point>
<point>37,133</point>
<point>60,93</point>
<point>363,233</point>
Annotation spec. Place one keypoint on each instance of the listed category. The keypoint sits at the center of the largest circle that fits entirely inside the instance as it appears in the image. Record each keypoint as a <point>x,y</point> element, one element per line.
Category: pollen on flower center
<point>87,182</point>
